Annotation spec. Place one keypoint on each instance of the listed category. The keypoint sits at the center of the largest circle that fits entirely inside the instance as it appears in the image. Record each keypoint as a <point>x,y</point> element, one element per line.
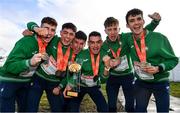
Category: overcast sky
<point>87,15</point>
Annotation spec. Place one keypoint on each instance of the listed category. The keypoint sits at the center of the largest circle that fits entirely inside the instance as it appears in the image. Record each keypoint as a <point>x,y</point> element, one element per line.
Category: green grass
<point>175,89</point>
<point>88,105</point>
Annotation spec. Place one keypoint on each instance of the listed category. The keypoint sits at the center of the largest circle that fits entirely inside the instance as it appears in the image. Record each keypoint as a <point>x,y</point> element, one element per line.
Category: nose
<point>68,35</point>
<point>136,22</point>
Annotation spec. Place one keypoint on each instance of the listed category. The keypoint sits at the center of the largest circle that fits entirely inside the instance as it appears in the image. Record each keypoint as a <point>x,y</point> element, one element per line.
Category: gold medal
<point>74,67</point>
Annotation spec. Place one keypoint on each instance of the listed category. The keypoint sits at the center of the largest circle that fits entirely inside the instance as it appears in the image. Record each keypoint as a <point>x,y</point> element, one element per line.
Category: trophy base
<point>72,93</point>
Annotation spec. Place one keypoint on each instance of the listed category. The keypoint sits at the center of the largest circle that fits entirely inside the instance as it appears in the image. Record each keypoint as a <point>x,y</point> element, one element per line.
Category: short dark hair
<point>110,21</point>
<point>81,35</point>
<point>49,20</point>
<point>133,12</point>
<point>94,33</point>
<point>69,26</point>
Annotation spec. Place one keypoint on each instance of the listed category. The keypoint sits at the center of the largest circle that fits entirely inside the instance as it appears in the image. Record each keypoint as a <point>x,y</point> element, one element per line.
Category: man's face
<point>67,35</point>
<point>112,31</point>
<point>135,24</point>
<point>77,45</point>
<point>51,30</point>
<point>95,43</point>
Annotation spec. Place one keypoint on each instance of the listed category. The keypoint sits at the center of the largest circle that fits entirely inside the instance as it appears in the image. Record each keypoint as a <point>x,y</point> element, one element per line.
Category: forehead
<point>48,25</point>
<point>112,26</point>
<point>68,30</point>
<point>78,40</point>
<point>94,38</point>
<point>134,16</point>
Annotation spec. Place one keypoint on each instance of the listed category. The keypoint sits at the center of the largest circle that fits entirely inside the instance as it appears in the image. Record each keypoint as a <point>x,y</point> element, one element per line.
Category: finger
<point>64,93</point>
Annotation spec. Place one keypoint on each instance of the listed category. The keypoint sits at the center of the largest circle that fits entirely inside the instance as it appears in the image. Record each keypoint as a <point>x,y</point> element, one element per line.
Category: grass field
<point>175,89</point>
<point>87,104</point>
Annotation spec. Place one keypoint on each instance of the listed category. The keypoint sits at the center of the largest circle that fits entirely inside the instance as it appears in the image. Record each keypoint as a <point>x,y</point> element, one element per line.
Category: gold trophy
<point>73,77</point>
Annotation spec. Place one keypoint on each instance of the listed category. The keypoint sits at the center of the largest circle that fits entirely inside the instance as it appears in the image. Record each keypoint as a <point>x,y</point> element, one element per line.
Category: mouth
<point>113,38</point>
<point>96,50</point>
<point>137,28</point>
<point>76,50</point>
<point>47,39</point>
<point>66,42</point>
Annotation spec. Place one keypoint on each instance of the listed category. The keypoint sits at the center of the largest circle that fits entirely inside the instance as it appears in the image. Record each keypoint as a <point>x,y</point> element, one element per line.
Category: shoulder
<point>27,40</point>
<point>83,53</point>
<point>105,46</point>
<point>157,35</point>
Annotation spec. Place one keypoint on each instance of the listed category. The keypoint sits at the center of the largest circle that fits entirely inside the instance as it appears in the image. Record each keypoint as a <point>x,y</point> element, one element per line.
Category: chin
<point>47,40</point>
<point>113,39</point>
<point>64,43</point>
<point>96,52</point>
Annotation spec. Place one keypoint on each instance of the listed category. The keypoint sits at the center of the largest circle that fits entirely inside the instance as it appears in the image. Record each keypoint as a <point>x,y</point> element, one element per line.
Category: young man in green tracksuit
<point>92,70</point>
<point>15,75</point>
<point>77,45</point>
<point>152,56</point>
<point>121,75</point>
<point>51,72</point>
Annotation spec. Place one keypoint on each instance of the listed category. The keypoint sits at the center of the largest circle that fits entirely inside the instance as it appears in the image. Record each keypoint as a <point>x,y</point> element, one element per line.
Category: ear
<point>71,44</point>
<point>60,33</point>
<point>119,29</point>
<point>127,25</point>
<point>84,44</point>
<point>143,21</point>
<point>88,43</point>
<point>101,42</point>
<point>105,31</point>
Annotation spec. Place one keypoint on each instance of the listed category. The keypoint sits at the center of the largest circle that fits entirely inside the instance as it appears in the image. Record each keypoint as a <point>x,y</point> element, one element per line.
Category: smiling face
<point>135,24</point>
<point>67,35</point>
<point>95,43</point>
<point>77,45</point>
<point>51,32</point>
<point>135,21</point>
<point>112,31</point>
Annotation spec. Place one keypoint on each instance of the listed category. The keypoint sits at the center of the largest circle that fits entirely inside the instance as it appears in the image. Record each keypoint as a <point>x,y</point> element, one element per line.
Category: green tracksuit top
<point>18,61</point>
<point>87,71</point>
<point>52,52</point>
<point>118,44</point>
<point>158,52</point>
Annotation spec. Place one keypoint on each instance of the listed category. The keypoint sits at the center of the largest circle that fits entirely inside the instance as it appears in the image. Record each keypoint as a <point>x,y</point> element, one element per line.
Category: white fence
<point>175,74</point>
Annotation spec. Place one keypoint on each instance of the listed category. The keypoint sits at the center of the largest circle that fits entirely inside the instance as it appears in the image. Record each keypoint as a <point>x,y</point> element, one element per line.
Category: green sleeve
<point>17,61</point>
<point>63,83</point>
<point>170,60</point>
<point>31,25</point>
<point>103,78</point>
<point>152,25</point>
<point>125,45</point>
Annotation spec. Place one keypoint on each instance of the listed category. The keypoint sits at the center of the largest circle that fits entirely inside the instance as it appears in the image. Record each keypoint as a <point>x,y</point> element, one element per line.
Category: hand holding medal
<point>44,56</point>
<point>106,60</point>
<point>74,67</point>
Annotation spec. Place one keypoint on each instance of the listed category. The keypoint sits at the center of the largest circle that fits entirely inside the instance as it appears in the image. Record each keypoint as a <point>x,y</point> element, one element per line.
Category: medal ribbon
<point>117,54</point>
<point>62,60</point>
<point>42,45</point>
<point>141,53</point>
<point>73,57</point>
<point>95,64</point>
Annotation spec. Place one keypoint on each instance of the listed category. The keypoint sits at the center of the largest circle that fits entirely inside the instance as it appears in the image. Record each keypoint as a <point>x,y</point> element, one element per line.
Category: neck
<point>66,46</point>
<point>138,36</point>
